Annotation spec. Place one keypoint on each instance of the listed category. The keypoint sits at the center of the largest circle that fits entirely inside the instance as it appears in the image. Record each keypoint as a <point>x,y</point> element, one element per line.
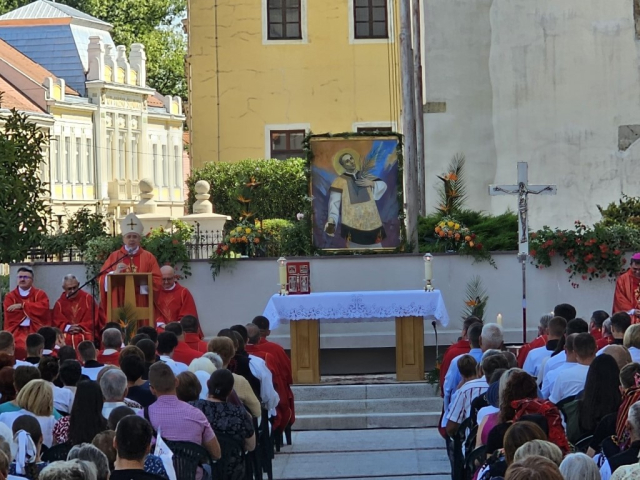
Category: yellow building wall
<point>327,82</point>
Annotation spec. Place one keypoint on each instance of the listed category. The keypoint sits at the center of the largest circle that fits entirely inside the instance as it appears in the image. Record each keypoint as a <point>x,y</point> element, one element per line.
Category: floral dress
<point>231,421</point>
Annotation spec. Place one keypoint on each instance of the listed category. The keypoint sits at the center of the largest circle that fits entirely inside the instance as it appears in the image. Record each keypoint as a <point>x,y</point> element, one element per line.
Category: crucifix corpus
<point>523,190</point>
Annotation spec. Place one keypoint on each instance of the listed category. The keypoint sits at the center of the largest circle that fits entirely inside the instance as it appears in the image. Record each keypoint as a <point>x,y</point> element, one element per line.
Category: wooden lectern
<point>130,282</point>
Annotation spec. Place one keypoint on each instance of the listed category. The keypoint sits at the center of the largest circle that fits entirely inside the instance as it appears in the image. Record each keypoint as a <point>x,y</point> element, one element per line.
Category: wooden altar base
<point>305,350</point>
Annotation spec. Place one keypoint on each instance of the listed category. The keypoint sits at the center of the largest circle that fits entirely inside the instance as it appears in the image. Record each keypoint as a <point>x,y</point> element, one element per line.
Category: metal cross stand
<point>523,190</point>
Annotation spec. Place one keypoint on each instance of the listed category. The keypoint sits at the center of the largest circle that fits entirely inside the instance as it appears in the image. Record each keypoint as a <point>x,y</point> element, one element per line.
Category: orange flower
<point>232,239</point>
<point>467,238</point>
<point>441,233</point>
<point>225,248</point>
<point>256,240</point>
<point>244,239</point>
<point>471,244</point>
<point>450,234</point>
<point>457,236</point>
<point>452,176</point>
<point>241,199</point>
<point>471,303</point>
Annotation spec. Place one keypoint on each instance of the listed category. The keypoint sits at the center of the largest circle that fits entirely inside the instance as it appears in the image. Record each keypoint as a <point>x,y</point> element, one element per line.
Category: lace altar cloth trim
<point>351,307</point>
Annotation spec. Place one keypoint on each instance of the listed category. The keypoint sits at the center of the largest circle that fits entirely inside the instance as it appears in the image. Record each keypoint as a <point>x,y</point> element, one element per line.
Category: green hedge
<point>281,192</point>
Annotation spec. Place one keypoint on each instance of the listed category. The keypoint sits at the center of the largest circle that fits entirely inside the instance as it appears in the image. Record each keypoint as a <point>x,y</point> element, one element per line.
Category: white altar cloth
<point>346,307</point>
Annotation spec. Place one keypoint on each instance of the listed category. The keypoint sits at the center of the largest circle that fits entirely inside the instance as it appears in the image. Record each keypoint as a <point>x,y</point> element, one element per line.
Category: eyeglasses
<point>167,280</point>
<point>24,277</point>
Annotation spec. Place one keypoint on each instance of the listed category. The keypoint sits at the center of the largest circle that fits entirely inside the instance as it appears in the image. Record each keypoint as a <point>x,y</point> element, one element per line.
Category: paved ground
<point>392,454</point>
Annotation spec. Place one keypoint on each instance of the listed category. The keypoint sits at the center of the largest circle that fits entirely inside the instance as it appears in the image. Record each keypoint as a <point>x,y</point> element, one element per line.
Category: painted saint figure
<point>352,203</point>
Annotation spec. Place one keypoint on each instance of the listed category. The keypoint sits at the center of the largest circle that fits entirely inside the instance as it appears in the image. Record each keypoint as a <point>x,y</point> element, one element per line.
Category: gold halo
<point>336,159</point>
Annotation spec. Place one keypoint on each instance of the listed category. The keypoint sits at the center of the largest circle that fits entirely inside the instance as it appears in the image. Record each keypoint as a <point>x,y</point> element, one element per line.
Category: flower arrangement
<point>589,252</point>
<point>246,239</point>
<point>453,233</point>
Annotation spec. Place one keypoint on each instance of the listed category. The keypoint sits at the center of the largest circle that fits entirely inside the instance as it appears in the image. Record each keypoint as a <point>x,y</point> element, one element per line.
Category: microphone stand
<point>92,281</point>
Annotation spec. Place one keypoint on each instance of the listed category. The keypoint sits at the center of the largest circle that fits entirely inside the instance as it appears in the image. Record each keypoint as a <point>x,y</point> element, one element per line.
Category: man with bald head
<point>76,313</point>
<point>173,301</point>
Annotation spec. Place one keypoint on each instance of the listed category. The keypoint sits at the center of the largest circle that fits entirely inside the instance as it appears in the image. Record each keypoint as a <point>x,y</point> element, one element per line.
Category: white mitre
<point>131,224</point>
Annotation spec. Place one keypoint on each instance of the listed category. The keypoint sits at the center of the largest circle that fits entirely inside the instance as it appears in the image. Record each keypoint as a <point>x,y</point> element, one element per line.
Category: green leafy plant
<point>247,239</point>
<point>97,251</point>
<point>274,228</point>
<point>282,191</point>
<point>477,298</point>
<point>169,247</point>
<point>589,252</point>
<point>626,211</point>
<point>57,244</point>
<point>84,225</point>
<point>452,190</point>
<point>296,239</point>
<point>128,321</point>
<point>24,196</point>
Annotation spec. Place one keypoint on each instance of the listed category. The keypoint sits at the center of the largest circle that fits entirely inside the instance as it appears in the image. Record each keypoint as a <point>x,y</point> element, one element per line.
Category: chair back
<point>187,456</point>
<point>458,454</point>
<point>228,467</point>
<point>57,452</point>
<point>582,445</point>
<point>474,460</point>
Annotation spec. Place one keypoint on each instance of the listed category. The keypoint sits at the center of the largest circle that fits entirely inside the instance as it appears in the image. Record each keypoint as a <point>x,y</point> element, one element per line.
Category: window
<point>67,159</point>
<point>156,173</point>
<point>121,158</point>
<point>78,176</point>
<point>165,167</point>
<point>374,129</point>
<point>89,157</point>
<point>370,18</point>
<point>287,144</point>
<point>178,166</point>
<point>57,162</point>
<point>284,20</point>
<point>110,154</point>
<point>134,157</point>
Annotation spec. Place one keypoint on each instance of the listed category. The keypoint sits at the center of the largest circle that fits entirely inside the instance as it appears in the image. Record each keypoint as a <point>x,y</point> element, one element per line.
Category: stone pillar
<point>203,211</point>
<point>202,203</point>
<point>138,62</point>
<point>121,61</point>
<point>95,59</point>
<point>146,204</point>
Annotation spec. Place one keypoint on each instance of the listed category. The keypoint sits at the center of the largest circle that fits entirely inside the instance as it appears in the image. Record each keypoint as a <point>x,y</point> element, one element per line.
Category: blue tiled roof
<point>61,49</point>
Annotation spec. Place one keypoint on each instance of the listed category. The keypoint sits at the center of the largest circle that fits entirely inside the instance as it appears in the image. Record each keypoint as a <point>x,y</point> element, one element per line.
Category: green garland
<point>403,247</point>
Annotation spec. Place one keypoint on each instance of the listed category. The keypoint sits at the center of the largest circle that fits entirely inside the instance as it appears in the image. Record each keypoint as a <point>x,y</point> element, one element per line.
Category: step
<point>363,392</point>
<point>380,405</point>
<point>361,421</point>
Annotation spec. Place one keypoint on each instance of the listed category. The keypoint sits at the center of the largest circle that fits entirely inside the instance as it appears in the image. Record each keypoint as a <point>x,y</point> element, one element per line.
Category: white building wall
<point>563,76</point>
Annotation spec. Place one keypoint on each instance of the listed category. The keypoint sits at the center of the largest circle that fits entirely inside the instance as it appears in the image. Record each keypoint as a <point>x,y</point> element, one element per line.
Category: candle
<point>428,267</point>
<point>283,270</point>
<point>499,319</point>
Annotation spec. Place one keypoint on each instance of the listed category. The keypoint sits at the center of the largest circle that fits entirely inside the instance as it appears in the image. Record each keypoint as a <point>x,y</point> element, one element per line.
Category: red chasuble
<point>172,305</point>
<point>81,310</point>
<point>35,307</point>
<point>627,295</point>
<point>143,262</point>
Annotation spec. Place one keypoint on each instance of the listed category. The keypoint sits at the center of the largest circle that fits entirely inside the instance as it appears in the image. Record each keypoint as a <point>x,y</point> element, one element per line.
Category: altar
<point>305,313</point>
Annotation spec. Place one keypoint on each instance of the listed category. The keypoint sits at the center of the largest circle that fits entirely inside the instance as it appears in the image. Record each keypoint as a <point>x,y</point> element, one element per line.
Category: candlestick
<point>499,319</point>
<point>282,267</point>
<point>428,271</point>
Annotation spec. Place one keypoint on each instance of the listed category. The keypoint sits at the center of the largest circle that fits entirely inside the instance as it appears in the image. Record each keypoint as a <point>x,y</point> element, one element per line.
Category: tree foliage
<point>154,23</point>
<point>23,194</point>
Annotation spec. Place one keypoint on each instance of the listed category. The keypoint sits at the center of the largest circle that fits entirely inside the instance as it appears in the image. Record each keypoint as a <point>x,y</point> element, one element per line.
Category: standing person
<point>76,313</point>
<point>26,309</point>
<point>627,292</point>
<point>173,301</point>
<point>130,258</point>
<point>461,347</point>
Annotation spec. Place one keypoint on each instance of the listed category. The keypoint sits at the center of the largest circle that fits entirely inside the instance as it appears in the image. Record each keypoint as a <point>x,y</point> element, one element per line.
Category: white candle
<point>499,319</point>
<point>428,268</point>
<point>283,270</point>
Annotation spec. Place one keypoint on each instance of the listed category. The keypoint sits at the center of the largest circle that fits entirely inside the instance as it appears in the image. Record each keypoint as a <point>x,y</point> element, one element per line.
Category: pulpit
<point>305,313</point>
<point>130,283</point>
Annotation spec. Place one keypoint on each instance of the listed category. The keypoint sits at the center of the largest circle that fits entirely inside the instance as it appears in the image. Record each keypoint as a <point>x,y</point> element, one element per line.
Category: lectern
<point>129,283</point>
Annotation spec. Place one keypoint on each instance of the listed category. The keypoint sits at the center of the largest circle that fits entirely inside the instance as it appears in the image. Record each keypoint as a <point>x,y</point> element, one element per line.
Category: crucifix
<point>131,224</point>
<point>523,190</point>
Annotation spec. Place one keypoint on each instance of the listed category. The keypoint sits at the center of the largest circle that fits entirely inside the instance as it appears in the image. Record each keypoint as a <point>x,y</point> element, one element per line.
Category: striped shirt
<point>460,407</point>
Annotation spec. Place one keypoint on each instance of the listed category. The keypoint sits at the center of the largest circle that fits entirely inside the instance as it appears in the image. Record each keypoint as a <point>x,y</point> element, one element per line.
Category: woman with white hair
<point>92,454</point>
<point>541,448</point>
<point>203,367</point>
<point>578,466</point>
<point>69,470</point>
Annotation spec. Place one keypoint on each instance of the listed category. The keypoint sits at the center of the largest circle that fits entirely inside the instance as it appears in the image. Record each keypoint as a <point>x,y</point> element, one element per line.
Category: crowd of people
<point>105,408</point>
<point>566,407</point>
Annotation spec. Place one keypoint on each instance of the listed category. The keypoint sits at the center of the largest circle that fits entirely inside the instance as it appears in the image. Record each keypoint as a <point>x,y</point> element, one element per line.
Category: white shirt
<point>534,360</point>
<point>176,367</point>
<point>571,382</point>
<point>555,361</point>
<point>551,377</point>
<point>460,406</point>
<point>484,411</point>
<point>269,396</point>
<point>108,407</point>
<point>203,377</point>
<point>46,424</point>
<point>22,363</point>
<point>92,373</point>
<point>635,354</point>
<point>62,399</point>
<point>25,293</point>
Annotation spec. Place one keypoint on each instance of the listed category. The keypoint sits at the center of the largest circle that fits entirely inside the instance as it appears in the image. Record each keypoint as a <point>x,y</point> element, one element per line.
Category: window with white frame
<point>284,19</point>
<point>109,147</point>
<point>78,176</point>
<point>287,143</point>
<point>121,158</point>
<point>370,19</point>
<point>89,161</point>
<point>67,159</point>
<point>134,156</point>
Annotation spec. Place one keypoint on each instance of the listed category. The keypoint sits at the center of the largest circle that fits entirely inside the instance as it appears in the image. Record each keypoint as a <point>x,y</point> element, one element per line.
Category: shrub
<point>282,191</point>
<point>274,228</point>
<point>170,247</point>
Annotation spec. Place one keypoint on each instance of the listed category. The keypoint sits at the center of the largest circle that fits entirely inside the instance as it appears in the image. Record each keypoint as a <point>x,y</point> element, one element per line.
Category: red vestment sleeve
<point>623,297</point>
<point>37,309</point>
<point>188,305</point>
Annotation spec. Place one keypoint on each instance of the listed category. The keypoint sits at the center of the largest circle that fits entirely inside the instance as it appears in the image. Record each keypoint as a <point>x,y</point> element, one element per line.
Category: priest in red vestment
<point>131,258</point>
<point>76,313</point>
<point>173,301</point>
<point>26,309</point>
<point>626,297</point>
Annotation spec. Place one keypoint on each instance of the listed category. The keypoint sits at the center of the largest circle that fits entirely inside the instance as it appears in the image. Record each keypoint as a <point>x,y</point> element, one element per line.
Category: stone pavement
<point>391,454</point>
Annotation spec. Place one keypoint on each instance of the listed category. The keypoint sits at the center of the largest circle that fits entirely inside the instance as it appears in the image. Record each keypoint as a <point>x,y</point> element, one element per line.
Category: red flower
<point>604,248</point>
<point>584,277</point>
<point>552,253</point>
<point>591,269</point>
<point>532,253</point>
<point>568,270</point>
<point>479,246</point>
<point>616,252</point>
<point>473,236</point>
<point>174,241</point>
<point>578,241</point>
<point>604,255</point>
